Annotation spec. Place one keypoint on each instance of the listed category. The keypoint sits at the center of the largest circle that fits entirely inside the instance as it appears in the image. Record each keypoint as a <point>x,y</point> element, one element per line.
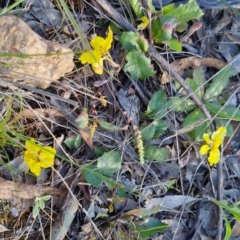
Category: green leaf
<point>133,41</point>
<point>35,210</point>
<point>73,142</point>
<point>82,119</point>
<point>111,184</point>
<point>232,209</point>
<point>157,106</point>
<point>167,9</point>
<point>107,126</point>
<point>136,6</point>
<point>122,193</point>
<point>41,204</point>
<point>147,132</point>
<point>169,185</point>
<point>186,12</point>
<point>179,104</point>
<point>151,7</point>
<point>194,117</point>
<point>200,130</point>
<point>174,44</point>
<point>138,65</point>
<point>99,151</point>
<point>154,129</point>
<point>224,112</point>
<point>93,175</point>
<point>160,127</point>
<point>46,197</point>
<point>151,227</point>
<point>181,27</point>
<point>101,215</point>
<point>197,82</point>
<point>228,231</point>
<point>109,163</point>
<point>156,153</point>
<point>219,82</point>
<point>115,28</point>
<point>162,28</point>
<point>205,128</point>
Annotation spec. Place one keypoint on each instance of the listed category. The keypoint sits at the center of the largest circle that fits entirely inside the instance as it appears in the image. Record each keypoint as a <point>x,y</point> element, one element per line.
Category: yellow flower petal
<point>97,43</point>
<point>35,168</point>
<point>214,156</point>
<point>90,57</point>
<point>207,139</point>
<point>144,23</point>
<point>46,157</point>
<point>204,149</point>
<point>37,156</point>
<point>29,156</point>
<point>101,44</point>
<point>98,67</point>
<point>213,145</point>
<point>30,160</point>
<point>218,137</point>
<point>31,145</point>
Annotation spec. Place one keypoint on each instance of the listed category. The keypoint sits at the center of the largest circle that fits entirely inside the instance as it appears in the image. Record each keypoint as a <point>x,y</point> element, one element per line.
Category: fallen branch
<point>10,190</point>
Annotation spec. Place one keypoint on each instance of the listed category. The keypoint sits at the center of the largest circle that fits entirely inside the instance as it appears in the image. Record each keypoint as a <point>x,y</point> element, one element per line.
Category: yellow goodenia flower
<point>37,157</point>
<point>96,56</point>
<point>212,145</point>
<point>144,23</point>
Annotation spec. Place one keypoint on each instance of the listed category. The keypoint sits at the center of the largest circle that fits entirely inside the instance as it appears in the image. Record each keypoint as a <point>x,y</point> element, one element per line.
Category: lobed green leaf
<point>109,163</point>
<point>218,83</point>
<point>133,41</point>
<point>224,112</point>
<point>156,153</point>
<point>186,12</point>
<point>157,106</point>
<point>138,65</point>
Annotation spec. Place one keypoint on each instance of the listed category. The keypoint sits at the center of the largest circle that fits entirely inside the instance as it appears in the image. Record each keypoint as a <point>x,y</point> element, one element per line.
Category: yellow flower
<point>212,145</point>
<point>37,157</point>
<point>144,23</point>
<point>96,56</point>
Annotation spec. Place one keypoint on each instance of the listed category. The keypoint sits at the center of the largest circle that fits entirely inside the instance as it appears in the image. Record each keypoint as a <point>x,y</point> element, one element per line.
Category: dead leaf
<point>3,229</point>
<point>169,202</point>
<point>71,180</point>
<point>130,104</point>
<point>196,26</point>
<point>184,63</point>
<point>236,230</point>
<point>86,136</point>
<point>10,190</point>
<point>203,237</point>
<point>87,228</point>
<point>165,170</point>
<point>40,113</point>
<point>18,38</point>
<point>64,219</point>
<point>85,189</point>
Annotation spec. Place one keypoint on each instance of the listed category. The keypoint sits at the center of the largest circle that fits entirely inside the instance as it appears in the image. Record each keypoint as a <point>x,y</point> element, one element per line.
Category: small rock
<point>29,59</point>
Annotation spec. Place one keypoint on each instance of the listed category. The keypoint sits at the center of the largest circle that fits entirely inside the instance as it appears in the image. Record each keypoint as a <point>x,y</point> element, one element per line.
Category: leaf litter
<point>99,188</point>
